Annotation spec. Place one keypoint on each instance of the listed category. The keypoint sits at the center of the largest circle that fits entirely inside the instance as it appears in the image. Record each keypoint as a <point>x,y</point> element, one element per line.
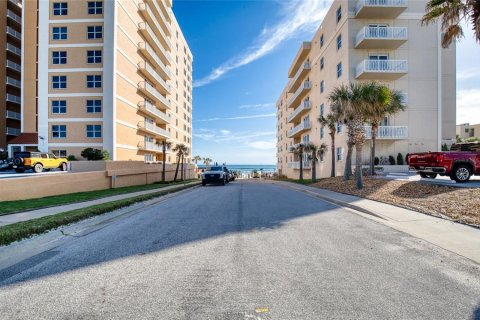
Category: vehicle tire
<point>37,168</point>
<point>63,167</point>
<point>204,183</point>
<point>223,182</point>
<point>17,161</point>
<point>423,175</point>
<point>461,173</point>
<point>428,175</point>
<point>19,170</point>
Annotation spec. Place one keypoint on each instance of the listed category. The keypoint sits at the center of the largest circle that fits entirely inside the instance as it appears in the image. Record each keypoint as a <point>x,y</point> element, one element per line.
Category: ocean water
<point>249,168</point>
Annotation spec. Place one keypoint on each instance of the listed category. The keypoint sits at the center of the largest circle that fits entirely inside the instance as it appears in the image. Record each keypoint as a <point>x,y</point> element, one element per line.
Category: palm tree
<point>331,121</point>
<point>299,150</point>
<point>206,161</point>
<point>452,13</point>
<point>196,159</point>
<point>180,149</point>
<point>313,153</point>
<point>380,101</point>
<point>165,146</point>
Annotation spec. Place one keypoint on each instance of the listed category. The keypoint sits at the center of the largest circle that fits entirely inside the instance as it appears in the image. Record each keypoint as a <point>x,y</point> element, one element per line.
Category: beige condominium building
<point>368,40</point>
<point>467,130</point>
<point>10,70</point>
<point>111,75</point>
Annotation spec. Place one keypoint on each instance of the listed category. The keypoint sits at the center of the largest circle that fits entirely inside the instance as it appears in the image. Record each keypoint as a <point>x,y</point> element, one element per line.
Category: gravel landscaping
<point>457,204</point>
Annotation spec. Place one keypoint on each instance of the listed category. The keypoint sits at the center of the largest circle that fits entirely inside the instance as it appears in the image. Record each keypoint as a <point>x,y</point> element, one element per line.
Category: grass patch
<point>21,230</point>
<point>9,207</point>
<point>305,182</point>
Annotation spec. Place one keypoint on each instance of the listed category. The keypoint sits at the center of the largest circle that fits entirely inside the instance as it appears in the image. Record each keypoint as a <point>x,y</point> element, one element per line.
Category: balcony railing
<point>305,105</point>
<point>299,128</point>
<point>150,17</point>
<point>301,71</point>
<point>13,49</point>
<point>13,115</point>
<point>14,66</point>
<point>155,76</point>
<point>150,35</point>
<point>154,129</point>
<point>306,85</point>
<point>381,33</point>
<point>165,19</point>
<point>13,98</point>
<point>151,109</point>
<point>14,33</point>
<point>382,66</point>
<point>388,132</point>
<point>150,90</point>
<point>379,4</point>
<point>14,16</point>
<point>296,165</point>
<point>13,82</point>
<point>152,55</point>
<point>12,131</point>
<point>150,146</point>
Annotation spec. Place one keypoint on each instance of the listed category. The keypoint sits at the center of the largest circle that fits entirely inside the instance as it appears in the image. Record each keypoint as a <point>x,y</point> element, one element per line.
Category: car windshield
<point>216,169</point>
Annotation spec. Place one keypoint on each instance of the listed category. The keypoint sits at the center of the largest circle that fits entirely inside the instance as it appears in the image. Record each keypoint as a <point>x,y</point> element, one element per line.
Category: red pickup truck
<point>460,163</point>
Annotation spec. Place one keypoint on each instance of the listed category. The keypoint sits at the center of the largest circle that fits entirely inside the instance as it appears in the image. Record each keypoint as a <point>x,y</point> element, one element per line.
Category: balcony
<point>388,132</point>
<point>149,109</point>
<point>299,129</point>
<point>14,17</point>
<point>296,165</point>
<point>149,146</point>
<point>379,9</point>
<point>299,94</point>
<point>12,131</point>
<point>150,18</point>
<point>13,115</point>
<point>150,36</point>
<point>160,63</point>
<point>381,69</point>
<point>152,75</point>
<point>381,37</point>
<point>13,98</point>
<point>153,129</point>
<point>302,54</point>
<point>302,71</point>
<point>162,15</point>
<point>13,66</point>
<point>404,99</point>
<point>150,91</point>
<point>14,33</point>
<point>11,48</point>
<point>13,82</point>
<point>300,110</point>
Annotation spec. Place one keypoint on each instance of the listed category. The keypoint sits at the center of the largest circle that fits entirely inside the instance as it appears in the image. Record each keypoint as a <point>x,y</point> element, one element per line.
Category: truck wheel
<point>37,168</point>
<point>461,173</point>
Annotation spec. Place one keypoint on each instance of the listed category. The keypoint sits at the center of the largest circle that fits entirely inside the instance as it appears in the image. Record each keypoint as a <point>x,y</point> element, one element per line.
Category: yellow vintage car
<point>37,161</point>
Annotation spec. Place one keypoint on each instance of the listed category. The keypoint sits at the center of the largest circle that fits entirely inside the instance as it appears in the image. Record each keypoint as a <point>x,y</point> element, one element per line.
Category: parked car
<point>231,176</point>
<point>6,164</point>
<point>215,174</point>
<point>37,161</point>
<point>459,164</point>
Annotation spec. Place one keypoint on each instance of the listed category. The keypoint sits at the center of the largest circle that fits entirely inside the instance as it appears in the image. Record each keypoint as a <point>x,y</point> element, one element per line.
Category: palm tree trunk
<point>314,171</point>
<point>176,169</point>
<point>181,173</point>
<point>372,149</point>
<point>333,173</point>
<point>358,165</point>
<point>301,166</point>
<point>164,151</point>
<point>347,173</point>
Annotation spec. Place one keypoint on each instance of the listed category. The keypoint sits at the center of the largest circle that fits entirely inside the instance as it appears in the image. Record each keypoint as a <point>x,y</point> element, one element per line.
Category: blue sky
<point>242,51</point>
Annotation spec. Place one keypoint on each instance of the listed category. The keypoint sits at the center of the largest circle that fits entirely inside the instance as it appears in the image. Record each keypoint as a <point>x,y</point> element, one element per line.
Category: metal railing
<point>379,3</point>
<point>302,126</point>
<point>146,145</point>
<point>388,132</point>
<point>305,105</point>
<point>305,85</point>
<point>162,16</point>
<point>12,65</point>
<point>145,105</point>
<point>12,98</point>
<point>145,46</point>
<point>12,131</point>
<point>153,128</point>
<point>146,28</point>
<point>147,67</point>
<point>384,66</point>
<point>14,33</point>
<point>296,165</point>
<point>12,48</point>
<point>305,66</point>
<point>392,33</point>
<point>142,7</point>
<point>12,15</point>
<point>154,92</point>
<point>13,82</point>
<point>13,115</point>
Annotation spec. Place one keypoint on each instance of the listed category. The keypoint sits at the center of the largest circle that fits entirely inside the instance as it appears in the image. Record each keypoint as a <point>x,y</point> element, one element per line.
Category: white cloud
<point>262,144</point>
<point>468,106</point>
<point>300,15</point>
<point>257,106</point>
<point>268,115</point>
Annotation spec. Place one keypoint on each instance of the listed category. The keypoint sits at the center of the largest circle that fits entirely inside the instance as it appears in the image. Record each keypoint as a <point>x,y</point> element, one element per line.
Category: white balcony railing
<point>144,85</point>
<point>383,33</point>
<point>12,65</point>
<point>302,126</point>
<point>305,66</point>
<point>153,128</point>
<point>385,66</point>
<point>388,132</point>
<point>14,33</point>
<point>13,49</point>
<point>13,98</point>
<point>146,145</point>
<point>14,16</point>
<point>147,106</point>
<point>142,7</point>
<point>163,18</point>
<point>379,3</point>
<point>12,115</point>
<point>13,82</point>
<point>12,131</point>
<point>149,50</point>
<point>148,68</point>
<point>296,165</point>
<point>306,85</point>
<point>142,26</point>
<point>305,105</point>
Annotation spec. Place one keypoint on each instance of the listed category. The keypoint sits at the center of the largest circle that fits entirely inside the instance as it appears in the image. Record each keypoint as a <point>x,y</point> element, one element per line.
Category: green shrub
<point>92,154</point>
<point>391,160</point>
<point>71,158</point>
<point>472,139</point>
<point>400,159</point>
<point>444,147</point>
<point>105,155</point>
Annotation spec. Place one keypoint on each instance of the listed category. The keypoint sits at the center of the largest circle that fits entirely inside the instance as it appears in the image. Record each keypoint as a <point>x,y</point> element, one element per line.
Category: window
<point>95,7</point>
<point>59,33</point>
<point>321,41</point>
<point>339,14</point>
<point>339,41</point>
<point>94,106</point>
<point>94,81</point>
<point>94,32</point>
<point>322,109</point>
<point>59,82</point>
<point>60,153</point>
<point>59,57</point>
<point>94,56</point>
<point>59,106</point>
<point>339,70</point>
<point>59,131</point>
<point>94,131</point>
<point>60,8</point>
<point>322,86</point>
<point>322,133</point>
<point>339,154</point>
<point>339,127</point>
<point>322,63</point>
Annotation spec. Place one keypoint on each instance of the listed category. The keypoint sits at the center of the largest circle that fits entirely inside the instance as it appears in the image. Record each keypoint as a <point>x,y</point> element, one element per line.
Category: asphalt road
<point>249,250</point>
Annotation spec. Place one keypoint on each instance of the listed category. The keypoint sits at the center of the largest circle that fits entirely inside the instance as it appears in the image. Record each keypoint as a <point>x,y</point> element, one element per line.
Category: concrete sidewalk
<point>33,214</point>
<point>455,237</point>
